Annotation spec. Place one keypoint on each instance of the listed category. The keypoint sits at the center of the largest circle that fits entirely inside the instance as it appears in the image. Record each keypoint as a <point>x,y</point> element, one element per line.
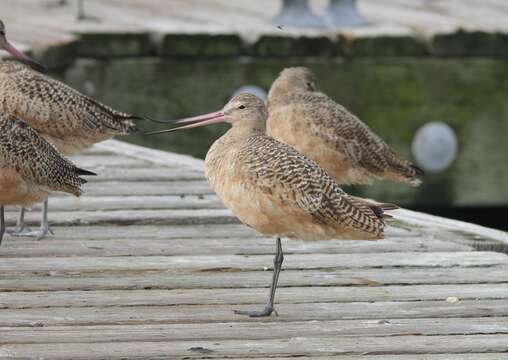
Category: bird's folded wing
<point>23,149</point>
<point>349,135</point>
<point>55,108</point>
<point>280,171</point>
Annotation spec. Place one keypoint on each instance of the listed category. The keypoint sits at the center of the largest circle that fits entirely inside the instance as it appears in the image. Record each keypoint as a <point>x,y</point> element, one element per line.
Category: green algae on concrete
<point>106,45</point>
<point>184,45</point>
<point>383,46</point>
<point>284,46</point>
<point>394,96</point>
<point>58,56</point>
<point>471,43</point>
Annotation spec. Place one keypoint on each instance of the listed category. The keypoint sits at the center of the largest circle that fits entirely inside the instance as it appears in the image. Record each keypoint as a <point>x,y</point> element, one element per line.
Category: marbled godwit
<point>71,121</point>
<point>31,168</point>
<point>315,125</point>
<point>276,190</point>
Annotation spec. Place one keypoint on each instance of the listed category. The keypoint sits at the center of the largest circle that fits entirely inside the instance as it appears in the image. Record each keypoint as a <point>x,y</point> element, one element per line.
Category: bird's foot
<point>39,234</point>
<point>267,311</point>
<point>18,231</point>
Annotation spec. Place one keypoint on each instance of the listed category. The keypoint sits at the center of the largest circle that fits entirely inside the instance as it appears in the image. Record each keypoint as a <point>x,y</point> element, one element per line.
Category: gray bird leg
<point>2,223</point>
<point>44,229</point>
<point>20,229</point>
<point>277,266</point>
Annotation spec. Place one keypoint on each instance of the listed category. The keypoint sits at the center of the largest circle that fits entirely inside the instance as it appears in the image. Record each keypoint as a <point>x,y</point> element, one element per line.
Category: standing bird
<point>274,189</point>
<point>315,125</point>
<point>68,119</point>
<point>31,168</point>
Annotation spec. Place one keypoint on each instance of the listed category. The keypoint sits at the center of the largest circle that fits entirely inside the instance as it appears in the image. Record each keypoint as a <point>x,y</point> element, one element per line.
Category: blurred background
<point>429,76</point>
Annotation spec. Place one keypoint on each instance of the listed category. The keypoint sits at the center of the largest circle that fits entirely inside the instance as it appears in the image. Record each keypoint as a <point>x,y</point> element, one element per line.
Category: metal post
<point>297,13</point>
<point>343,13</point>
<point>81,10</point>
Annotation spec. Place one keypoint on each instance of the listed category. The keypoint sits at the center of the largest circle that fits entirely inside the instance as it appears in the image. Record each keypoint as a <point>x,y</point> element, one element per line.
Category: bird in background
<point>68,119</point>
<point>31,168</point>
<point>276,190</point>
<point>314,124</point>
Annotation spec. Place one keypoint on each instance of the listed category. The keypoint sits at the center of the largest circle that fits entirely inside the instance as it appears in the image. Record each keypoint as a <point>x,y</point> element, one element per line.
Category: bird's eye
<point>241,107</point>
<point>310,86</point>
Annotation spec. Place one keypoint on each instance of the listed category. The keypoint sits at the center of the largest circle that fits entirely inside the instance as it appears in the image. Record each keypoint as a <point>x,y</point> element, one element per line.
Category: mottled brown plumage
<point>65,117</point>
<point>311,122</point>
<point>30,167</point>
<point>276,190</point>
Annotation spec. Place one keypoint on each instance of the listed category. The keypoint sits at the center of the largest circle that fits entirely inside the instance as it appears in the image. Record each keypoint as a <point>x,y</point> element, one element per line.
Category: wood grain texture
<point>296,346</point>
<point>149,265</point>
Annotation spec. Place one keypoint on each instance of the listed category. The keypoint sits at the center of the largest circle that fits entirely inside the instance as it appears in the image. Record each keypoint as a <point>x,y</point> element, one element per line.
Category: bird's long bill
<point>11,49</point>
<point>195,121</point>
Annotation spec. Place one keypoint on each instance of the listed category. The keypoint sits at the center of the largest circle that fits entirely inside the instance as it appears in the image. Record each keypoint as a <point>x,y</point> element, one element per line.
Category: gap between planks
<point>252,330</point>
<point>157,314</point>
<point>222,278</point>
<point>297,346</point>
<point>256,262</point>
<point>95,298</point>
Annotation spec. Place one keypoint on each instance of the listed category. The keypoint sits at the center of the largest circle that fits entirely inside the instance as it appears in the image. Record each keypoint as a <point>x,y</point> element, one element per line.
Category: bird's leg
<point>2,223</point>
<point>20,229</point>
<point>277,266</point>
<point>44,229</point>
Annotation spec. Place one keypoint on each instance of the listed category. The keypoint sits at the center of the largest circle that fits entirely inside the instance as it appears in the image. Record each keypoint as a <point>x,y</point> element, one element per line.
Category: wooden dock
<point>148,264</point>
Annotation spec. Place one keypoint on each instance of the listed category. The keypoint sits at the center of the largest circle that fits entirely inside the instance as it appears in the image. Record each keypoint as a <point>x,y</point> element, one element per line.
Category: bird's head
<point>11,49</point>
<point>293,79</point>
<point>243,110</point>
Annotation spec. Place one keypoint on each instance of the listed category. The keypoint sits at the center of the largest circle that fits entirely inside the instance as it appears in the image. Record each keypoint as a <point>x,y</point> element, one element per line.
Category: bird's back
<point>278,191</point>
<point>69,119</point>
<point>340,142</point>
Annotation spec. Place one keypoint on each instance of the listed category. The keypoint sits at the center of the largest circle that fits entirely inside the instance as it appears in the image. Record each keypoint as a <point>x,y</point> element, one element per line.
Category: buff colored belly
<point>270,216</point>
<point>16,191</point>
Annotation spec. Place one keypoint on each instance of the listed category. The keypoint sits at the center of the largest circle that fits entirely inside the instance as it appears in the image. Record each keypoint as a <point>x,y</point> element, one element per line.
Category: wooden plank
<point>251,330</point>
<point>139,217</point>
<point>153,314</point>
<point>116,188</point>
<point>93,203</point>
<point>297,346</point>
<point>245,262</point>
<point>146,174</point>
<point>164,279</point>
<point>209,231</point>
<point>96,162</point>
<point>463,356</point>
<point>151,246</point>
<point>151,155</point>
<point>18,300</point>
<point>140,232</point>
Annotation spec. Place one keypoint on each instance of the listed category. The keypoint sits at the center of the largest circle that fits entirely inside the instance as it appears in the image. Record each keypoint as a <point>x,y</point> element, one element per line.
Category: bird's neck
<point>281,95</point>
<point>277,93</point>
<point>247,128</point>
<point>234,137</point>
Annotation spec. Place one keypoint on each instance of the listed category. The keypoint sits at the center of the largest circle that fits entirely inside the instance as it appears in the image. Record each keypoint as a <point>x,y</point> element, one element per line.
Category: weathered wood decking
<point>148,264</point>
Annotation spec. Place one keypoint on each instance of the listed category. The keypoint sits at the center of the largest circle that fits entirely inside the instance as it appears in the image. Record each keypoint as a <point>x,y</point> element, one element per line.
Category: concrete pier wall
<point>395,85</point>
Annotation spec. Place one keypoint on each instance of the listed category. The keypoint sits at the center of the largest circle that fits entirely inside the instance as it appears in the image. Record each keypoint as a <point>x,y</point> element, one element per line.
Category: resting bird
<point>315,125</point>
<point>31,168</point>
<point>71,121</point>
<point>274,189</point>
